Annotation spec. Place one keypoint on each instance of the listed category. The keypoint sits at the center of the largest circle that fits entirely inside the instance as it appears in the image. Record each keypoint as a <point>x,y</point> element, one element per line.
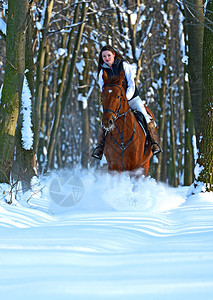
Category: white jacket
<point>129,77</point>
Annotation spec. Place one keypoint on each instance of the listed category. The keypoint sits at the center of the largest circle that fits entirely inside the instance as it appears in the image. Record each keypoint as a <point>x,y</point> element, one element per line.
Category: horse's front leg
<point>146,168</point>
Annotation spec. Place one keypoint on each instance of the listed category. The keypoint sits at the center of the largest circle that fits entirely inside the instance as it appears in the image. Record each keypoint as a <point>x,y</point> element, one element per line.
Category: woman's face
<point>108,57</point>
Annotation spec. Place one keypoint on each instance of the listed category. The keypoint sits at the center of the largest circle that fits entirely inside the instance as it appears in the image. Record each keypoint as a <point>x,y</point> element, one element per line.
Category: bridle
<point>117,115</point>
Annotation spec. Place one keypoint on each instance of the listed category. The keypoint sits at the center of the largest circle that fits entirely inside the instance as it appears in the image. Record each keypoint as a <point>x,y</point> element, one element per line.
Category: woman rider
<point>113,63</point>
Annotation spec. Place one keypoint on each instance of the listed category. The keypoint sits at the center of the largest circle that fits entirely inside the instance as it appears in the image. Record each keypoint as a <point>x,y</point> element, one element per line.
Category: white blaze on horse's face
<point>110,91</point>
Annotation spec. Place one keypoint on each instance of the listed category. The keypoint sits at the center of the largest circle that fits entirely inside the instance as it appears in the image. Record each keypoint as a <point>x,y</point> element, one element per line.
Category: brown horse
<point>125,141</point>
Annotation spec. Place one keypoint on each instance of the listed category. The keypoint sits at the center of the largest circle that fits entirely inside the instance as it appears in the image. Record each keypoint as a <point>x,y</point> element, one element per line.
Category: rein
<point>122,146</point>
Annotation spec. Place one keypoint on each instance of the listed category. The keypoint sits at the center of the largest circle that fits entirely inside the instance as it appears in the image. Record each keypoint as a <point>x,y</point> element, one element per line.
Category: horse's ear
<point>122,76</point>
<point>104,76</point>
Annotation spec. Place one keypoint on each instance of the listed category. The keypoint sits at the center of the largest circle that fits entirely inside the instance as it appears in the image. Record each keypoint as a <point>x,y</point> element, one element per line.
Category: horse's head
<point>113,99</point>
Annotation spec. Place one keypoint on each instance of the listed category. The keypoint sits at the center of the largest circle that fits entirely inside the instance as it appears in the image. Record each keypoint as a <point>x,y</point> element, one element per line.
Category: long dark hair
<point>111,49</point>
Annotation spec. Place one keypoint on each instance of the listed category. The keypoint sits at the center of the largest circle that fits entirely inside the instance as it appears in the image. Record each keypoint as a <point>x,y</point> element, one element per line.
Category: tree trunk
<point>83,94</point>
<point>44,107</point>
<point>39,73</point>
<point>180,141</point>
<point>164,159</point>
<point>161,119</point>
<point>13,82</point>
<point>162,92</point>
<point>189,122</point>
<point>173,170</point>
<point>132,31</point>
<point>25,166</point>
<point>194,18</point>
<point>206,144</point>
<point>188,151</point>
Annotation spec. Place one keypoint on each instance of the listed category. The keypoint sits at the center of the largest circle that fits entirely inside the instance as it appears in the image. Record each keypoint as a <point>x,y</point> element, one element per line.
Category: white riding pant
<point>137,103</point>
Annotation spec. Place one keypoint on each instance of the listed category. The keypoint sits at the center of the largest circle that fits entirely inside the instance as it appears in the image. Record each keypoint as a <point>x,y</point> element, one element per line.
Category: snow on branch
<point>26,130</point>
<point>61,52</point>
<point>66,29</point>
<point>84,99</point>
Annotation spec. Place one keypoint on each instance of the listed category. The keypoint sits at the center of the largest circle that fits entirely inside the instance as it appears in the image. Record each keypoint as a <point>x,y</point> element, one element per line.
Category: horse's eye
<point>118,96</point>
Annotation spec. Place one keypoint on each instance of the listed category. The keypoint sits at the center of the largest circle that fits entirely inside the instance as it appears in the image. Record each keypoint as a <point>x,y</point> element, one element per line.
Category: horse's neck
<point>125,105</point>
<point>127,114</point>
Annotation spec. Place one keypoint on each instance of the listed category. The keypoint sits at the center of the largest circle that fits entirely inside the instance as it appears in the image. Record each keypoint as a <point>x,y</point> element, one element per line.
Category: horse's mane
<point>112,80</point>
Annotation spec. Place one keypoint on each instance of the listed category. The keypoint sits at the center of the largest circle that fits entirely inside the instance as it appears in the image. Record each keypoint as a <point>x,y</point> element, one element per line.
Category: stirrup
<point>98,156</point>
<point>156,151</point>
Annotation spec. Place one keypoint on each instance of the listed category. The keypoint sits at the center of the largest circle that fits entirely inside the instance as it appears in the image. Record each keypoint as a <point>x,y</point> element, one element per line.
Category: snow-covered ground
<point>91,235</point>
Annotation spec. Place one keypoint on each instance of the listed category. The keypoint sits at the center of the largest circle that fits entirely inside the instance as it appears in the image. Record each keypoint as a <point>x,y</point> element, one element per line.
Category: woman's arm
<point>130,80</point>
<point>100,80</point>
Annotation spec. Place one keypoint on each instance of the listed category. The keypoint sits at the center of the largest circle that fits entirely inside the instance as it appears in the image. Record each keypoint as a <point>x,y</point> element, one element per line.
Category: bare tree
<point>61,103</point>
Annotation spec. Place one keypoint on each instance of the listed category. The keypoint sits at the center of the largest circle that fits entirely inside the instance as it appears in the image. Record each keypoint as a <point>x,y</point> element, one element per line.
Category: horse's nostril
<point>110,122</point>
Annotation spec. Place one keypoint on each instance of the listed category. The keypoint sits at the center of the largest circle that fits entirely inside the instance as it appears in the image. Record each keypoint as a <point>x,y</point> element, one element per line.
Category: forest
<point>50,102</point>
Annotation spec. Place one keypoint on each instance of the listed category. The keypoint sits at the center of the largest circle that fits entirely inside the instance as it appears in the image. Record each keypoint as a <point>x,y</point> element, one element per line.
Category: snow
<point>186,77</point>
<point>1,88</point>
<point>80,66</point>
<point>61,52</point>
<point>4,7</point>
<point>133,18</point>
<point>26,131</point>
<point>197,170</point>
<point>165,18</point>
<point>111,237</point>
<point>3,26</point>
<point>161,61</point>
<point>155,85</point>
<point>195,150</point>
<point>185,59</point>
<point>40,24</point>
<point>83,99</point>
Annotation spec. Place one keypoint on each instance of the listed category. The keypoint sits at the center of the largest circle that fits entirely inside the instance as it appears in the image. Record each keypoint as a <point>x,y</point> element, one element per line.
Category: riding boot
<point>153,135</point>
<point>99,150</point>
